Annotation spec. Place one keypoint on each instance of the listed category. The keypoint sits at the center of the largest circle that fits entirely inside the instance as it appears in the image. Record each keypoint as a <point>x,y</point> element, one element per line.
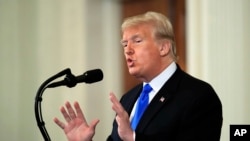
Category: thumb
<point>94,123</point>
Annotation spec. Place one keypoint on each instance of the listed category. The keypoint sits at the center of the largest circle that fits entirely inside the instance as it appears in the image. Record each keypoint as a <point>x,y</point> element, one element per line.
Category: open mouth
<point>130,62</point>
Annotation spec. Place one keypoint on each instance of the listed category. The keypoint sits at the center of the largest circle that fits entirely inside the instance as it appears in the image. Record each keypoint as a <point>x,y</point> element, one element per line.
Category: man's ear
<point>165,47</point>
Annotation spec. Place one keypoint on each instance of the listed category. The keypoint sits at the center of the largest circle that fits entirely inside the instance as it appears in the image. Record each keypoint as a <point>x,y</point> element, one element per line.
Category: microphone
<point>70,80</point>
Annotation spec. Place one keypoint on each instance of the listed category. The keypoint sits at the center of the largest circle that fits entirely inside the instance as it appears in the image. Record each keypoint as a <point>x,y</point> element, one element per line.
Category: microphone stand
<point>38,100</point>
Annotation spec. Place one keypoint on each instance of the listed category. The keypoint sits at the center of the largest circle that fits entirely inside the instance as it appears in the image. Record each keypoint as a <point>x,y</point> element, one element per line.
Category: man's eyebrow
<point>135,36</point>
<point>123,41</point>
<point>131,38</point>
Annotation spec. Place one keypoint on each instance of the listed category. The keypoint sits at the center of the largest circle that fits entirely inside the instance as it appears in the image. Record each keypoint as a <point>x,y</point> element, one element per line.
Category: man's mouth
<point>130,62</point>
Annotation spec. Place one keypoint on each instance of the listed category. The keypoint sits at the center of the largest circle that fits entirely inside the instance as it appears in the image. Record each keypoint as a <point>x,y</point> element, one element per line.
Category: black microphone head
<point>91,76</point>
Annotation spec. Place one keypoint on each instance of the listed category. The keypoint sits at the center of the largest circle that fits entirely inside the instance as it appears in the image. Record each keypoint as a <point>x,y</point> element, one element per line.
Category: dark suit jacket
<point>185,109</point>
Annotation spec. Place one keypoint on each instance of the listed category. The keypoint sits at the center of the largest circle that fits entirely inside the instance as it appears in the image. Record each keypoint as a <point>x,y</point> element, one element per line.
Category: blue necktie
<point>141,106</point>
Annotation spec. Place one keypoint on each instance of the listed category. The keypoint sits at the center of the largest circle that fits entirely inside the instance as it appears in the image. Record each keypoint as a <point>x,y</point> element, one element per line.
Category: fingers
<point>65,114</point>
<point>59,123</point>
<point>69,113</point>
<point>117,107</point>
<point>79,112</point>
<point>122,119</point>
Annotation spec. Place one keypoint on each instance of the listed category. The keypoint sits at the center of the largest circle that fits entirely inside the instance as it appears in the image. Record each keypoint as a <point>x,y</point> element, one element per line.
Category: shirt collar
<point>163,77</point>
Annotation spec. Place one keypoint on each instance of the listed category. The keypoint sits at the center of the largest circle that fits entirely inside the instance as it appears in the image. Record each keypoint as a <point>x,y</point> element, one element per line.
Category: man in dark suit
<point>178,106</point>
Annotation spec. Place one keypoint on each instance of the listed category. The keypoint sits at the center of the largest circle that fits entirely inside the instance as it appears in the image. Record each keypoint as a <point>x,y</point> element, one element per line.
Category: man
<point>178,106</point>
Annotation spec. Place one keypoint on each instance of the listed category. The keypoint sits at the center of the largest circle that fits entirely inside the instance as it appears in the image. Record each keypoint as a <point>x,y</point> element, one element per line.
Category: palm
<point>77,130</point>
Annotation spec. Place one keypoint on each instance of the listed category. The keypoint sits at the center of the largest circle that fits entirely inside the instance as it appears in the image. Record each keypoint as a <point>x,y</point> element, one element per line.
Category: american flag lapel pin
<point>162,99</point>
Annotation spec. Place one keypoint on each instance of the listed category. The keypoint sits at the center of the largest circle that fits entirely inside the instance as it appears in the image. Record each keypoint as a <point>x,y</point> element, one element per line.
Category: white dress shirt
<point>157,84</point>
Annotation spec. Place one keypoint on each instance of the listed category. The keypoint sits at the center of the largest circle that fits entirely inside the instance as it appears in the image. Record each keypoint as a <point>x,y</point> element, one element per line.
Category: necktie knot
<point>145,91</point>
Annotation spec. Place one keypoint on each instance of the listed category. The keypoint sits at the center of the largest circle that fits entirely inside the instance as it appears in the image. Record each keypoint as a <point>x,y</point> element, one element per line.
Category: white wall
<point>218,49</point>
<point>39,38</point>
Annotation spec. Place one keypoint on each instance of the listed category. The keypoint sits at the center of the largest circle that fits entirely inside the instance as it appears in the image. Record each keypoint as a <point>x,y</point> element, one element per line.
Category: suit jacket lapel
<point>160,99</point>
<point>131,98</point>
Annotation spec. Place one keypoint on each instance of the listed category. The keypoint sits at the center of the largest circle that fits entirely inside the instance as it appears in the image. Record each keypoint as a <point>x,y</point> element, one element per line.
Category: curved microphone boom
<point>70,80</point>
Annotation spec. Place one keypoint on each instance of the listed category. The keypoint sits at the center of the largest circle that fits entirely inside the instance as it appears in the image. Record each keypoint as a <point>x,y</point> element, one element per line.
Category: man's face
<point>141,50</point>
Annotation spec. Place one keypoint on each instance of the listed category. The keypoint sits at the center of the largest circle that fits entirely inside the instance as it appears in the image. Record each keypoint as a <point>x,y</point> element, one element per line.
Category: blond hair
<point>162,27</point>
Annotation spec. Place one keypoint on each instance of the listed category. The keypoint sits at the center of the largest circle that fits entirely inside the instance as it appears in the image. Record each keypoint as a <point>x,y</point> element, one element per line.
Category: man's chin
<point>134,73</point>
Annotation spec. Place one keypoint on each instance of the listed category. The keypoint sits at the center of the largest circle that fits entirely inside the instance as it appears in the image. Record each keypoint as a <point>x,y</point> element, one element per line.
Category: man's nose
<point>129,49</point>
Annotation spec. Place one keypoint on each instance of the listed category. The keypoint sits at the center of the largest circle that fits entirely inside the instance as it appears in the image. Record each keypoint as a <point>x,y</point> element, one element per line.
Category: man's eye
<point>138,40</point>
<point>124,45</point>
